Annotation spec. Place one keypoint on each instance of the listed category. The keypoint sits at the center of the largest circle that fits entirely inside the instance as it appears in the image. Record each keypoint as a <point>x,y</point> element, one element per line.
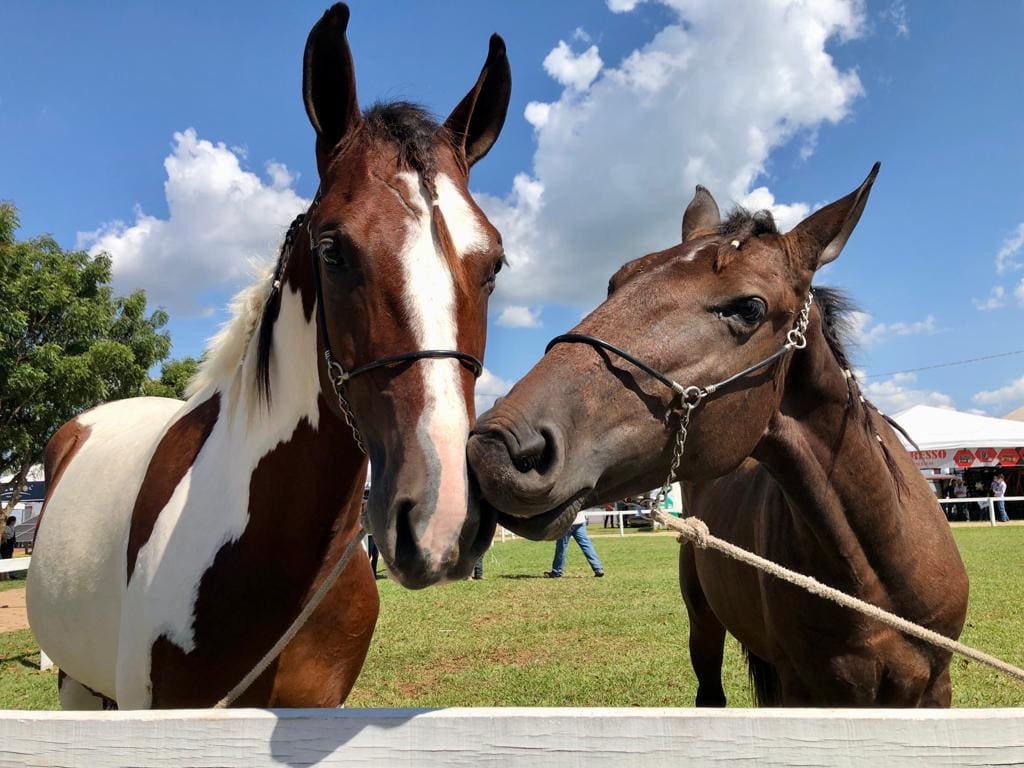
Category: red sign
<point>963,458</point>
<point>1008,457</point>
<point>986,455</point>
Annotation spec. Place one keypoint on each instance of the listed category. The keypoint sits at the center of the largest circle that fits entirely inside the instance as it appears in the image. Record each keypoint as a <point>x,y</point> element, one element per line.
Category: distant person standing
<point>7,542</point>
<point>578,531</point>
<point>960,492</point>
<point>999,492</point>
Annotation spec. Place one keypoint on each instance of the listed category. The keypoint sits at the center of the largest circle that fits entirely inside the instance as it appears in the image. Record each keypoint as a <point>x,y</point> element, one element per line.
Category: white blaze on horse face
<point>429,300</point>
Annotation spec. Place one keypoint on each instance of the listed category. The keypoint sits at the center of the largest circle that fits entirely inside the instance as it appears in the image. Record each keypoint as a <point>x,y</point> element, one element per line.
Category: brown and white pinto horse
<point>788,460</point>
<point>179,540</point>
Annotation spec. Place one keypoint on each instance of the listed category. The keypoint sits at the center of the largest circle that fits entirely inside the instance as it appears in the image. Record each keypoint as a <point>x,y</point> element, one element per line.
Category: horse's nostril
<point>525,463</point>
<point>537,455</point>
<point>405,539</point>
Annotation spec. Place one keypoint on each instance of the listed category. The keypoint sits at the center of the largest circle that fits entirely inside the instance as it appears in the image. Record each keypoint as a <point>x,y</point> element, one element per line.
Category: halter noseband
<point>692,396</point>
<point>337,373</point>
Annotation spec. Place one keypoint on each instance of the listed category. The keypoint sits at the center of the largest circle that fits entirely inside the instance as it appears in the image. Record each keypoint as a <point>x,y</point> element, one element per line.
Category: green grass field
<point>519,639</point>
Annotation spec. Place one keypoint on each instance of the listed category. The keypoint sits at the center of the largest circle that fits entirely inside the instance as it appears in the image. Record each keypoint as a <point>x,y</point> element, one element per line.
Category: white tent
<point>947,438</point>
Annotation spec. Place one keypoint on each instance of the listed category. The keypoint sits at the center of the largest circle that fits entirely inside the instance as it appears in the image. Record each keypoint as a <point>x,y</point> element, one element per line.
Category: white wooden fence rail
<point>15,564</point>
<point>531,738</point>
<point>979,500</point>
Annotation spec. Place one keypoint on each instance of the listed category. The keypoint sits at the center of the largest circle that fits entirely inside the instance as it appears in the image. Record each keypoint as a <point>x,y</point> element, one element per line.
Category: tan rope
<point>296,625</point>
<point>695,530</point>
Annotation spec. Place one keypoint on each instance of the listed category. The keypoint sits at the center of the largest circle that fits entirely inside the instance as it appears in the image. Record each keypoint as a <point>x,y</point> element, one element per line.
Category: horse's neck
<point>825,450</point>
<point>288,442</point>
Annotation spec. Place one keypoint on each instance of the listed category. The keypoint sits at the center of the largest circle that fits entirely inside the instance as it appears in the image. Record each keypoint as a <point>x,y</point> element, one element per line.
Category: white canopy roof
<point>943,428</point>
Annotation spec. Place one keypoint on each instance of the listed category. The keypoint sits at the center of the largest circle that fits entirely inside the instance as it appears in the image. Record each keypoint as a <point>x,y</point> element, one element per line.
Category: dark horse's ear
<point>476,122</point>
<point>329,82</point>
<point>701,214</point>
<point>825,232</point>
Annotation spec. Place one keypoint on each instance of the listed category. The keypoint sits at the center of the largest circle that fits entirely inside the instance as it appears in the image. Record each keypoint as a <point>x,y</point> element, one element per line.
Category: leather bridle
<point>337,373</point>
<point>690,397</point>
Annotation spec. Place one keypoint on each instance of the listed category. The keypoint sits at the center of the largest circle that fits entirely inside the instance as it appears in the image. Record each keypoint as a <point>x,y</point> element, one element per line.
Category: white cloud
<point>515,316</point>
<point>623,6</point>
<point>616,163</point>
<point>488,389</point>
<point>898,393</point>
<point>1010,395</point>
<point>573,70</point>
<point>1007,257</point>
<point>222,219</point>
<point>1018,293</point>
<point>995,300</point>
<point>866,332</point>
<point>896,14</point>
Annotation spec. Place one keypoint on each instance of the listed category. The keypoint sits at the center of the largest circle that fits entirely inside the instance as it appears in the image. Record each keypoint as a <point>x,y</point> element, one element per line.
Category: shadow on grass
<point>520,576</point>
<point>23,659</point>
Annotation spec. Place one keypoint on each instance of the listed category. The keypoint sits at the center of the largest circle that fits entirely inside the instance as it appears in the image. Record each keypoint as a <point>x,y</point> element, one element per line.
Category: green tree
<point>175,376</point>
<point>66,342</point>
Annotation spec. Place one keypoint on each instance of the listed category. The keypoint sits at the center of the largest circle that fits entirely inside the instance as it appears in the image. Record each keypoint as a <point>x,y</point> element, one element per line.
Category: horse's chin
<point>546,526</point>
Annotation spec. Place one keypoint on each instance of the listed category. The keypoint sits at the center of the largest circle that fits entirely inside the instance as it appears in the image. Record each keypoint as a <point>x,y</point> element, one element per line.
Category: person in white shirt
<point>578,531</point>
<point>999,491</point>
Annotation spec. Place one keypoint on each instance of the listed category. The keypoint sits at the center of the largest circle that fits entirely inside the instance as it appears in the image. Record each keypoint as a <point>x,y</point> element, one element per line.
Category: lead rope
<point>696,531</point>
<point>296,625</point>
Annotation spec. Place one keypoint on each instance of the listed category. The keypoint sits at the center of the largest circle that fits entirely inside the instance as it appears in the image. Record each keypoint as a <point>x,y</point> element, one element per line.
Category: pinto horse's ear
<point>701,214</point>
<point>825,232</point>
<point>329,82</point>
<point>476,122</point>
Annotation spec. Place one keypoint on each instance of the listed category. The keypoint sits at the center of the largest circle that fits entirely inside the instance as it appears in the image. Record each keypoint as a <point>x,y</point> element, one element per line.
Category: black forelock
<point>411,129</point>
<point>742,224</point>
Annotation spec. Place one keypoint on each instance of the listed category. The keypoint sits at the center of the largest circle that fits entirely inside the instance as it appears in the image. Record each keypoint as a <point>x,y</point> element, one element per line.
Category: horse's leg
<point>75,696</point>
<point>939,693</point>
<point>707,635</point>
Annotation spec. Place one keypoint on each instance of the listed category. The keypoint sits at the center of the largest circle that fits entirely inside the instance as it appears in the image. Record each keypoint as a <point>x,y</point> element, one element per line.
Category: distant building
<point>30,502</point>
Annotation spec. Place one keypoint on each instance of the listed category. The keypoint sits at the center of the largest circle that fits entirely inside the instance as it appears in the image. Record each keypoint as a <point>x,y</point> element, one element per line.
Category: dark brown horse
<point>180,540</point>
<point>787,460</point>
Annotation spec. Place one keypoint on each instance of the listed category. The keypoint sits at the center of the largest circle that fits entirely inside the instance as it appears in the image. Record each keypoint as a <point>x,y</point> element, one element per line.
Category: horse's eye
<point>750,310</point>
<point>492,277</point>
<point>330,253</point>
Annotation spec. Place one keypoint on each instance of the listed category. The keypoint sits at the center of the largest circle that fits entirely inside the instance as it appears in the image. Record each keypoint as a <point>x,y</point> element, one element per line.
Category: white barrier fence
<point>988,501</point>
<point>15,564</point>
<point>526,737</point>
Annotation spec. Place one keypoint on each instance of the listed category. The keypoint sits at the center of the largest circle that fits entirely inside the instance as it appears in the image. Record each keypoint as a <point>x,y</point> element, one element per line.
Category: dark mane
<point>411,128</point>
<point>742,224</point>
<point>836,309</point>
<point>415,133</point>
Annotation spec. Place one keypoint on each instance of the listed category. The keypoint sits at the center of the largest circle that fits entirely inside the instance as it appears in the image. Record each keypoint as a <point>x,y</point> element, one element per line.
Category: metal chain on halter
<point>691,397</point>
<point>337,375</point>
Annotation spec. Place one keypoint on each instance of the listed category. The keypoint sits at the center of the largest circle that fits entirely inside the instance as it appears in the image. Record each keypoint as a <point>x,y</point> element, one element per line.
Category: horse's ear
<point>329,81</point>
<point>825,232</point>
<point>476,122</point>
<point>701,214</point>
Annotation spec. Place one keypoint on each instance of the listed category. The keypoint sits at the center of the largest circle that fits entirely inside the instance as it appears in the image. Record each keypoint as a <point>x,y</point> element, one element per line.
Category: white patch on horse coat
<point>429,300</point>
<point>210,506</point>
<point>77,580</point>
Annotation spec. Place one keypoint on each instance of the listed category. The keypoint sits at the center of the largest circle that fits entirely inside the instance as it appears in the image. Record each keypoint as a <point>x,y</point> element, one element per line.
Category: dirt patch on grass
<point>12,610</point>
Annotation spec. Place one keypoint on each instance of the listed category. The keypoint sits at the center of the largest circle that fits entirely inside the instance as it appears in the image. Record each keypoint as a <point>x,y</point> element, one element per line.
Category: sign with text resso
<point>968,458</point>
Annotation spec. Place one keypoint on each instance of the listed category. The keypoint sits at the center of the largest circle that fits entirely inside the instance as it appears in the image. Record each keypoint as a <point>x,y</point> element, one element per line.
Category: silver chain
<point>691,397</point>
<point>338,378</point>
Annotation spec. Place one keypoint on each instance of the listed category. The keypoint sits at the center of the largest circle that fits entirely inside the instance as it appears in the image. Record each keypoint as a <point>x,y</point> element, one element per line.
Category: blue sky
<point>174,136</point>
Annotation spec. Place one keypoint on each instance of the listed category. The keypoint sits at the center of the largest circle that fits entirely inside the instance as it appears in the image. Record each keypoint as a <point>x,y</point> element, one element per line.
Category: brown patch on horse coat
<point>174,456</point>
<point>60,450</point>
<point>248,596</point>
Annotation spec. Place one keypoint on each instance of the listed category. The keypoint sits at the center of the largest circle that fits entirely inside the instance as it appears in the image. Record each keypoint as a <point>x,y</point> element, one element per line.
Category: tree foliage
<point>66,342</point>
<point>175,376</point>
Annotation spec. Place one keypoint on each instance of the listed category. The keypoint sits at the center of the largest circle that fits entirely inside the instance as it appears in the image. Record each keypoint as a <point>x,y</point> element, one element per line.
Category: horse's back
<point>95,465</point>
